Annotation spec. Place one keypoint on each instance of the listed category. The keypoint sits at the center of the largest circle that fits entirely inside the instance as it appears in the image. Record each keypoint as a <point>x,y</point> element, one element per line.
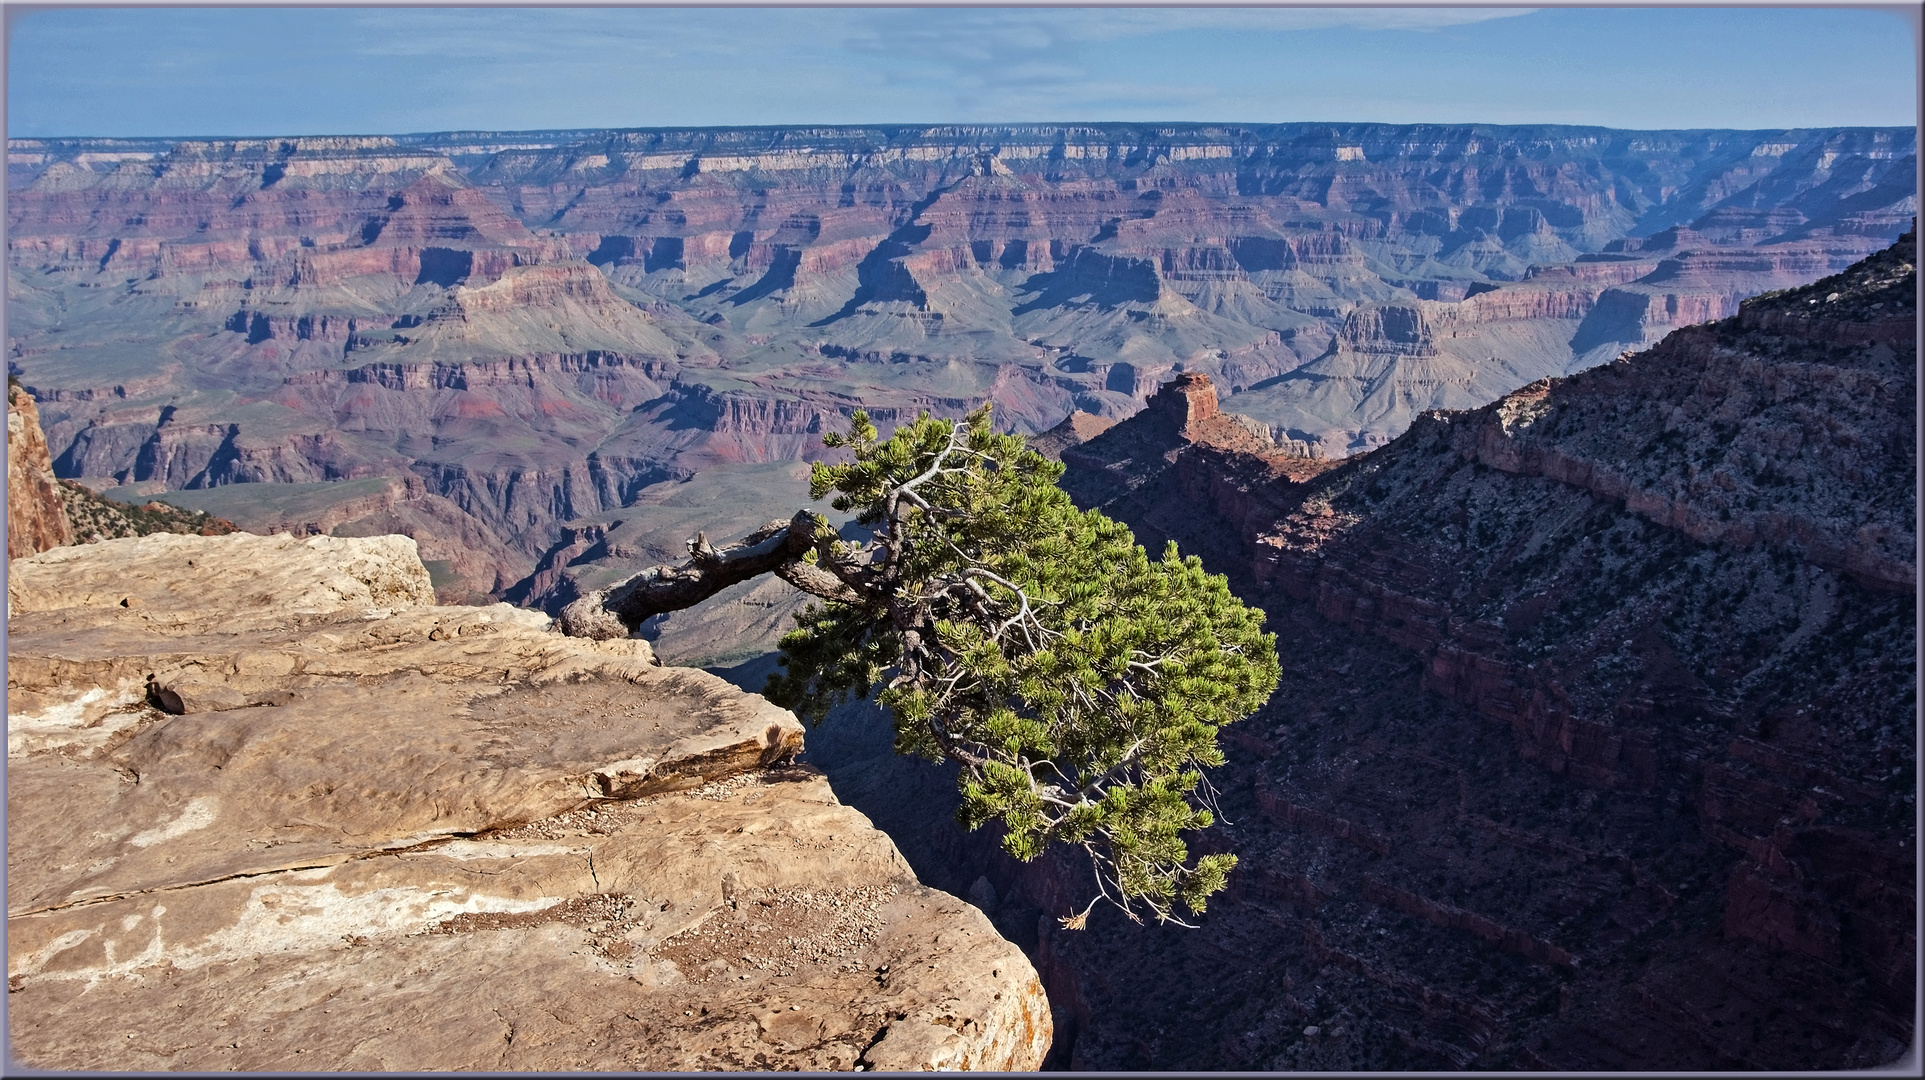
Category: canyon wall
<point>536,326</point>
<point>44,512</point>
<point>1595,745</point>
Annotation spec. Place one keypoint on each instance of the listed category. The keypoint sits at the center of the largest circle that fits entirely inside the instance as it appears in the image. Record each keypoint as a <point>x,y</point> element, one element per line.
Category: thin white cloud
<point>1018,61</point>
<point>1127,22</point>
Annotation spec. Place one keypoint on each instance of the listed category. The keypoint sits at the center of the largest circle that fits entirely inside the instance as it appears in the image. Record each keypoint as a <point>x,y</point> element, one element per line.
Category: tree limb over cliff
<point>1078,684</point>
<point>778,547</point>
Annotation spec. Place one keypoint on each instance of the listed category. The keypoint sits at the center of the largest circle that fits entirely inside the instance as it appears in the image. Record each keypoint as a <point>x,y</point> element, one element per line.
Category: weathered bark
<point>775,548</point>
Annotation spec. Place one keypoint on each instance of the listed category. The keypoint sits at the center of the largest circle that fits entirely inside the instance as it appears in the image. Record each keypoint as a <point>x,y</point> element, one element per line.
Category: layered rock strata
<point>44,512</point>
<point>271,809</point>
<point>536,327</point>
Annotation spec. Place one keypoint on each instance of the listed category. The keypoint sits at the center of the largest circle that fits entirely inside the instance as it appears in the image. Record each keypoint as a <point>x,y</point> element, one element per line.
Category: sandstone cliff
<point>1595,746</point>
<point>271,809</point>
<point>1077,427</point>
<point>460,552</point>
<point>35,518</point>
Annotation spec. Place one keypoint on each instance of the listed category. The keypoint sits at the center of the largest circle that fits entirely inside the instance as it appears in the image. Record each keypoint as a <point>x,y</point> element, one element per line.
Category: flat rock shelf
<point>371,833</point>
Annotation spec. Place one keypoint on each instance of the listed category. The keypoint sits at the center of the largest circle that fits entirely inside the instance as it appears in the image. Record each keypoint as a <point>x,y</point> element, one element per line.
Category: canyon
<point>1575,469</point>
<point>1595,745</point>
<point>518,333</point>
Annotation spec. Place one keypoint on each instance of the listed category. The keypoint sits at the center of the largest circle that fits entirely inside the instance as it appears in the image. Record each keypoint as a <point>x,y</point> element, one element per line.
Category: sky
<point>182,71</point>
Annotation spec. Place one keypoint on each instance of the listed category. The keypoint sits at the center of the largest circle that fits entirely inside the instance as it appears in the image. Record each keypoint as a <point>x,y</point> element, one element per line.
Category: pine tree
<point>1078,683</point>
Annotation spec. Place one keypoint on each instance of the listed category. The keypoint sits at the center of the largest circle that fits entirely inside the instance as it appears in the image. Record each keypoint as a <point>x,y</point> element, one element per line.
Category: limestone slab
<point>308,747</point>
<point>752,923</point>
<point>239,579</point>
<point>357,832</point>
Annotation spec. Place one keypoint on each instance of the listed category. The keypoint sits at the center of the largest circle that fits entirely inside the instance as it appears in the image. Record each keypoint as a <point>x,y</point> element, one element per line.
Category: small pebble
<point>1312,1030</point>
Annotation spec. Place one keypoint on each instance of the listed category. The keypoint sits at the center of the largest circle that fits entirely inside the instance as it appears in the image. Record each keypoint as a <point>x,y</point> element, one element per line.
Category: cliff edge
<point>270,809</point>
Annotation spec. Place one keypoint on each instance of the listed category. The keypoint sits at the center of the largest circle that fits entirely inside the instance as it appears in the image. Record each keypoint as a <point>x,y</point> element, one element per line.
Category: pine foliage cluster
<point>1079,683</point>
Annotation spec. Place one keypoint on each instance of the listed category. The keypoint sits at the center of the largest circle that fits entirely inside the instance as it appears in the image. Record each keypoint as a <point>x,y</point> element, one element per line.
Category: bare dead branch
<point>819,582</point>
<point>776,547</point>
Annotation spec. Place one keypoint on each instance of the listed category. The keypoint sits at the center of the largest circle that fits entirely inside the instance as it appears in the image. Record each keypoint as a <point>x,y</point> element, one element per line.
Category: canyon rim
<point>498,342</point>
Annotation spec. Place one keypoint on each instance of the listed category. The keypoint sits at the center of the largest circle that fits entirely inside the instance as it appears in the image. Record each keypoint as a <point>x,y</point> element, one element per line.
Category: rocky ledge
<point>269,808</point>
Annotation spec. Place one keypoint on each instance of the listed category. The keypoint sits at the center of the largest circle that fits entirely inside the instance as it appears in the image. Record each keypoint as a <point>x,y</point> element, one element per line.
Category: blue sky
<point>164,71</point>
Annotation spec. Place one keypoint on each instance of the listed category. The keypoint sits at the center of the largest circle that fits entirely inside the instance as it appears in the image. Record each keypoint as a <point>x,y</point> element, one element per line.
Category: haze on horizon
<point>161,72</point>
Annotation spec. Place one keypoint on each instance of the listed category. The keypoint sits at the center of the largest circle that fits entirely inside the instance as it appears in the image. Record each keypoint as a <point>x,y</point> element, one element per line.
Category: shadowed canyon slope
<point>269,808</point>
<point>1595,745</point>
<point>520,331</point>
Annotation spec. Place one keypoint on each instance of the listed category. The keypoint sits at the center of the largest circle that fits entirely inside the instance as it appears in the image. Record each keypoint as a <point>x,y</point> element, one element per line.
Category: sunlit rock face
<point>271,808</point>
<point>36,520</point>
<point>523,331</point>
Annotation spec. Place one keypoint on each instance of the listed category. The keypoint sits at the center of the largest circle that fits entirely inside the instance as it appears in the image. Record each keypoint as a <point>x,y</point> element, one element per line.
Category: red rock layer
<point>790,275</point>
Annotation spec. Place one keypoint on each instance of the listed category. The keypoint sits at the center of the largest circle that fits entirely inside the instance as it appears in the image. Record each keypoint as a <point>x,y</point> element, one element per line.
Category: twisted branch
<point>777,547</point>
